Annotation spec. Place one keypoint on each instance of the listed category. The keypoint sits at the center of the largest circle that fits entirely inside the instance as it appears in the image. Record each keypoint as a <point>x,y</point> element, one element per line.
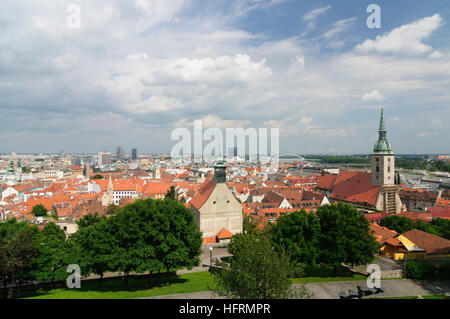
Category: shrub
<point>413,270</point>
<point>444,270</point>
<point>428,270</point>
<point>420,270</point>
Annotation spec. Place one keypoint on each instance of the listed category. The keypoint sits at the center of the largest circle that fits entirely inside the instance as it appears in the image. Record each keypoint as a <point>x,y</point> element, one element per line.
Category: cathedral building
<point>383,172</point>
<point>374,191</point>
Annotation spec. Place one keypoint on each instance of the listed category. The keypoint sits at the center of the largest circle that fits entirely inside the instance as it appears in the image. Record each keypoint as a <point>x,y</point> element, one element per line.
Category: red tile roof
<point>203,194</point>
<point>375,217</point>
<point>394,242</point>
<point>224,234</point>
<point>382,234</point>
<point>432,244</point>
<point>426,217</point>
<point>355,187</point>
<point>327,181</point>
<point>438,211</point>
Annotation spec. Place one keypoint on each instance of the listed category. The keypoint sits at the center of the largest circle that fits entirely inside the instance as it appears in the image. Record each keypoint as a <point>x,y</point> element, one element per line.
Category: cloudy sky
<point>136,70</point>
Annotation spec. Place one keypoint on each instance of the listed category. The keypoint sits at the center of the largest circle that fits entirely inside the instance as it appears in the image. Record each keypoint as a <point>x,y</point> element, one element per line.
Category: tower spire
<point>382,124</point>
<point>382,146</point>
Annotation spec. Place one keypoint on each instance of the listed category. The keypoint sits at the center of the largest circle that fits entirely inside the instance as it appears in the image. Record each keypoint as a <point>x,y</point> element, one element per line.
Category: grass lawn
<point>193,282</point>
<point>113,289</point>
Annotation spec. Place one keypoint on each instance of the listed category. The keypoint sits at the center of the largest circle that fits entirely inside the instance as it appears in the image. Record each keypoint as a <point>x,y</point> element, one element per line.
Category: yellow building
<point>416,245</point>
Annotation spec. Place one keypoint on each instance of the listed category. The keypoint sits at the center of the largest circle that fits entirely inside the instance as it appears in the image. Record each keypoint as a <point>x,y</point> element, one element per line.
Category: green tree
<point>398,223</point>
<point>39,211</point>
<point>96,241</point>
<point>26,169</point>
<point>298,235</point>
<point>255,270</point>
<point>97,176</point>
<point>112,209</point>
<point>18,250</point>
<point>442,226</point>
<point>52,260</point>
<point>154,235</point>
<point>249,224</point>
<point>172,193</point>
<point>89,219</point>
<point>345,236</point>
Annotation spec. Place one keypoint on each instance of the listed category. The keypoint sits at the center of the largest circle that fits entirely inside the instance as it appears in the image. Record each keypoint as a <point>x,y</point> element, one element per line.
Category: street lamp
<point>210,255</point>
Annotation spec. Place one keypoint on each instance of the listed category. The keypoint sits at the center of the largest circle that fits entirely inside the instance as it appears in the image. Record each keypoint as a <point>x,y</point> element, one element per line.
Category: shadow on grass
<point>326,272</point>
<point>116,284</point>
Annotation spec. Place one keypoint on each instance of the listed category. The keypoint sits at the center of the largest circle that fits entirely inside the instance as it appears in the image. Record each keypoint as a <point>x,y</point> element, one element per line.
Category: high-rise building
<point>104,158</point>
<point>232,152</point>
<point>134,153</point>
<point>119,152</point>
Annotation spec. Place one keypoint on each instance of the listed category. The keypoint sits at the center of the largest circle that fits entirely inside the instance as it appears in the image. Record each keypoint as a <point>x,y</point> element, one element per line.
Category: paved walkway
<point>393,288</point>
<point>330,290</point>
<point>205,259</point>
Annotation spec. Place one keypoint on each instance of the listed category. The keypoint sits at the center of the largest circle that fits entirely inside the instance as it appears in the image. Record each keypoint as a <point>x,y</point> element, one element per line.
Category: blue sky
<point>136,70</point>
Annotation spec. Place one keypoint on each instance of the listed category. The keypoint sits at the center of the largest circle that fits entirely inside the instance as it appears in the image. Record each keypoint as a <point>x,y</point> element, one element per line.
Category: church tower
<point>108,196</point>
<point>383,159</point>
<point>383,171</point>
<point>220,172</point>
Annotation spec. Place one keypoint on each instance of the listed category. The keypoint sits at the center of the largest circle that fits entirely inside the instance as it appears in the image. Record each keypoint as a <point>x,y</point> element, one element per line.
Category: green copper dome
<point>11,168</point>
<point>382,146</point>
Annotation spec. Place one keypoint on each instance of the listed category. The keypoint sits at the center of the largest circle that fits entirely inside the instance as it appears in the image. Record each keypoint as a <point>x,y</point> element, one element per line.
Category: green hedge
<point>419,270</point>
<point>426,270</point>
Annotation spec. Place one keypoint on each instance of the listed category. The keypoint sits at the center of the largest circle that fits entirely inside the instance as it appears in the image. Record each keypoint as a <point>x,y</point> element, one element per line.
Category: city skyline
<point>134,72</point>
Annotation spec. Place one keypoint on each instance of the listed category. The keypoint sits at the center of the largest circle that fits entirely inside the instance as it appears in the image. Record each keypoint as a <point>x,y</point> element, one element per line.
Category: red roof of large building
<point>432,244</point>
<point>355,187</point>
<point>203,194</point>
<point>327,181</point>
<point>439,211</point>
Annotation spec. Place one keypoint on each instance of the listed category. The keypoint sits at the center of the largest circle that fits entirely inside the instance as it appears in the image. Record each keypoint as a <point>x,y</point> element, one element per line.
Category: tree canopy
<point>438,227</point>
<point>39,211</point>
<point>345,236</point>
<point>298,235</point>
<point>255,270</point>
<point>18,250</point>
<point>52,254</point>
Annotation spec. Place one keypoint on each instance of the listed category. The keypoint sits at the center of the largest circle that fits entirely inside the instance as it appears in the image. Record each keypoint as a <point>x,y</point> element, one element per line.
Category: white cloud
<point>298,65</point>
<point>221,70</point>
<point>213,121</point>
<point>205,67</point>
<point>339,27</point>
<point>374,95</point>
<point>436,55</point>
<point>304,126</point>
<point>311,16</point>
<point>64,62</point>
<point>427,134</point>
<point>406,39</point>
<point>306,120</point>
<point>137,57</point>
